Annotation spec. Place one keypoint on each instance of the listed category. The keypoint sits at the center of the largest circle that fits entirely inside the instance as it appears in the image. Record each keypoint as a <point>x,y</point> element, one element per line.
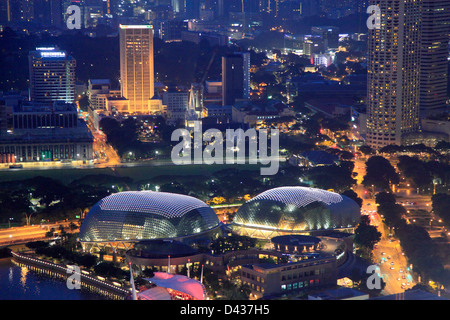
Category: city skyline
<point>241,151</point>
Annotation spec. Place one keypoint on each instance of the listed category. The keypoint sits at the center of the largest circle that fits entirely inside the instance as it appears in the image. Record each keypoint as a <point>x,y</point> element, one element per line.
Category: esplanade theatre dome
<point>139,215</point>
<point>295,210</point>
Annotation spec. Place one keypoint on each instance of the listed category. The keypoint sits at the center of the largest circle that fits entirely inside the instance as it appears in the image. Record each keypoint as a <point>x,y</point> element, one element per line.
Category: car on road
<point>392,268</point>
<point>392,263</point>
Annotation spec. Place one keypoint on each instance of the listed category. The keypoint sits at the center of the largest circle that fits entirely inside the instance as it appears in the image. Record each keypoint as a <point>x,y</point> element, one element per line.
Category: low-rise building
<point>46,132</point>
<point>269,279</point>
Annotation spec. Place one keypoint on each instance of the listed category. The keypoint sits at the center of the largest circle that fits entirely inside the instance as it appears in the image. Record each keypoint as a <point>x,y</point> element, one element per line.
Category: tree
<point>441,205</point>
<point>87,260</point>
<point>380,173</point>
<point>366,150</point>
<point>354,196</point>
<point>365,234</point>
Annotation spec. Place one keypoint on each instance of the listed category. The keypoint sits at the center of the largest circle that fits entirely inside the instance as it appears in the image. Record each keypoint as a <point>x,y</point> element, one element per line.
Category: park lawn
<point>66,176</point>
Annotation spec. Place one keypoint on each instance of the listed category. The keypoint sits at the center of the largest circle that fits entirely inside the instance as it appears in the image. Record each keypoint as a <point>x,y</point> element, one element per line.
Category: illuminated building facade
<point>276,279</point>
<point>46,132</point>
<point>434,53</point>
<point>295,210</point>
<point>127,217</point>
<point>52,75</point>
<point>393,73</point>
<point>137,67</point>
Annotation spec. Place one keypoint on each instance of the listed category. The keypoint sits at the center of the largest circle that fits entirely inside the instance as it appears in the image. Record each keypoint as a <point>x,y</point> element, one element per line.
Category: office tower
<point>393,73</point>
<point>192,9</point>
<point>269,6</point>
<point>434,53</point>
<point>169,30</point>
<point>136,66</point>
<point>329,34</point>
<point>235,77</point>
<point>177,103</point>
<point>5,12</point>
<point>179,8</point>
<point>52,75</point>
<point>309,8</point>
<point>251,6</point>
<point>246,59</point>
<point>3,120</point>
<point>49,13</point>
<point>27,10</point>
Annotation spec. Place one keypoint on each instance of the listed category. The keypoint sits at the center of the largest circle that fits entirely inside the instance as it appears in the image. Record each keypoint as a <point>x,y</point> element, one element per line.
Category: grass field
<point>136,173</point>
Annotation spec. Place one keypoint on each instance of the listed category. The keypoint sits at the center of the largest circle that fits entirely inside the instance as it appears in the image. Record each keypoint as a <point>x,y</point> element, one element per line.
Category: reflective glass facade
<point>142,215</point>
<point>296,210</point>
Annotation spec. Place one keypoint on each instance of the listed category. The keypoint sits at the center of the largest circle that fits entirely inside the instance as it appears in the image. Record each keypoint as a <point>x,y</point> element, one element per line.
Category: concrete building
<point>235,77</point>
<point>339,294</point>
<point>267,279</point>
<point>47,132</point>
<point>177,104</point>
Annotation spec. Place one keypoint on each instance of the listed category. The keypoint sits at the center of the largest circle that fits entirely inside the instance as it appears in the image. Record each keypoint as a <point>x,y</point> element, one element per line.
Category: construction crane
<point>209,64</point>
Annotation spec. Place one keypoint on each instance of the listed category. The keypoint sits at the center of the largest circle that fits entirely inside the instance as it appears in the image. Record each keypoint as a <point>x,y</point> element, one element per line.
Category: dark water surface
<point>20,283</point>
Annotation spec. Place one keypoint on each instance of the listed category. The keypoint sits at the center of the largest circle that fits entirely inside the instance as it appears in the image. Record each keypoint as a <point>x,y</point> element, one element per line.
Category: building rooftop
<point>416,294</point>
<point>318,157</point>
<point>339,294</point>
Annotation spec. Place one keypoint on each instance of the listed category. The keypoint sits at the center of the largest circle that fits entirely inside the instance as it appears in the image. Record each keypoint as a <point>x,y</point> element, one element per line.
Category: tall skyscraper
<point>49,13</point>
<point>235,77</point>
<point>136,66</point>
<point>434,53</point>
<point>393,73</point>
<point>52,75</point>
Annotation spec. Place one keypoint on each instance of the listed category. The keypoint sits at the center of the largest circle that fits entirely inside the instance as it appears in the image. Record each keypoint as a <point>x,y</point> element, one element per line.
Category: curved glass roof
<point>298,209</point>
<point>139,215</point>
<point>299,196</point>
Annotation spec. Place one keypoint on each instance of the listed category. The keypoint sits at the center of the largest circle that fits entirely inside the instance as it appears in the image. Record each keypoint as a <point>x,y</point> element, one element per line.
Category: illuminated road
<point>387,254</point>
<point>23,234</point>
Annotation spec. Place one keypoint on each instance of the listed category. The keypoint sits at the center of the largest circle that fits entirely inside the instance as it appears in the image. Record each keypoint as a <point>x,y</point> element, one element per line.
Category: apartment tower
<point>393,72</point>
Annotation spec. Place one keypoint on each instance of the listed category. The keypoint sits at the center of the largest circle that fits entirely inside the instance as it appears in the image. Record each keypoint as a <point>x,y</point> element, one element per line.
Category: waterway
<point>21,283</point>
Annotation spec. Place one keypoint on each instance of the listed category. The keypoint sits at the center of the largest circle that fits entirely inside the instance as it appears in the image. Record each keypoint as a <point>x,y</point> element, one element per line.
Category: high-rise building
<point>177,102</point>
<point>136,66</point>
<point>393,73</point>
<point>329,34</point>
<point>434,53</point>
<point>235,77</point>
<point>49,13</point>
<point>52,75</point>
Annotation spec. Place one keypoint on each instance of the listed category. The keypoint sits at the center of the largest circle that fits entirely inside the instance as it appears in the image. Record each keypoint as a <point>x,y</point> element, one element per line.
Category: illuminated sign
<point>53,54</point>
<point>45,48</point>
<point>135,26</point>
